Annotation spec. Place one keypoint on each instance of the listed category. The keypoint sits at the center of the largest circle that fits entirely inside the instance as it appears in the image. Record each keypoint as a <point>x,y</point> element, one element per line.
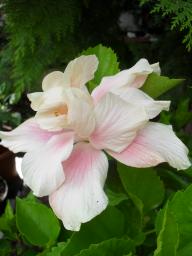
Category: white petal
<point>26,137</point>
<point>42,168</point>
<point>139,98</point>
<point>45,101</point>
<point>50,122</point>
<point>80,70</point>
<point>117,123</point>
<point>154,144</point>
<point>81,197</point>
<point>52,80</point>
<point>80,116</point>
<point>36,99</point>
<point>156,68</point>
<point>133,77</point>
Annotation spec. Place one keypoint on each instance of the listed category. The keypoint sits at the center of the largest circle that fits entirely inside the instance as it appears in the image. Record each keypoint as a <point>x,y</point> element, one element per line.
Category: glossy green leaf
<point>56,250</point>
<point>108,64</point>
<point>112,247</point>
<point>115,198</point>
<point>168,237</point>
<point>143,186</point>
<point>181,207</point>
<point>36,222</point>
<point>7,222</point>
<point>156,85</point>
<point>107,225</point>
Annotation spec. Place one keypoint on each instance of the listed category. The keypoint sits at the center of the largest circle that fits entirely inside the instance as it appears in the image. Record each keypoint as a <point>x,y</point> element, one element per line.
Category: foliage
<point>39,40</point>
<point>180,13</point>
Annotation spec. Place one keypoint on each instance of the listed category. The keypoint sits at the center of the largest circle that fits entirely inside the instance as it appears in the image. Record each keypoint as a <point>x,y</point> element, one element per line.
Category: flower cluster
<point>65,142</point>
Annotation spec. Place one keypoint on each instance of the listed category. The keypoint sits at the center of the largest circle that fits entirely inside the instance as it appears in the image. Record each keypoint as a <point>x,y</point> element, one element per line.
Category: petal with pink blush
<point>133,77</point>
<point>42,168</point>
<point>81,197</point>
<point>139,98</point>
<point>154,144</point>
<point>80,70</point>
<point>117,123</point>
<point>26,137</point>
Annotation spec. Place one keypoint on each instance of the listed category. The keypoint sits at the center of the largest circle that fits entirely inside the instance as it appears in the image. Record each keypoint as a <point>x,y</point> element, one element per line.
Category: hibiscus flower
<point>67,140</point>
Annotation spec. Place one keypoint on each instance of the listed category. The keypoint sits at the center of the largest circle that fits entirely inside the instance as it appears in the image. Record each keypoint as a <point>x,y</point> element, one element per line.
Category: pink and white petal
<point>26,137</point>
<point>139,98</point>
<point>81,197</point>
<point>133,77</point>
<point>156,143</point>
<point>80,70</point>
<point>42,168</point>
<point>53,80</point>
<point>117,123</point>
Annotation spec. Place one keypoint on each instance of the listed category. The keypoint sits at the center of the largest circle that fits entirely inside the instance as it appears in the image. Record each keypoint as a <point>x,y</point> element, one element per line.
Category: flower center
<point>61,110</point>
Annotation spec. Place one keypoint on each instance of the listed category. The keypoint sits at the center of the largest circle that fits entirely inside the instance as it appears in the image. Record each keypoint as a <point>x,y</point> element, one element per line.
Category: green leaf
<point>108,64</point>
<point>7,222</point>
<point>174,223</point>
<point>115,198</point>
<point>56,250</point>
<point>112,247</point>
<point>156,85</point>
<point>107,225</point>
<point>181,207</point>
<point>168,238</point>
<point>143,186</point>
<point>133,222</point>
<point>36,222</point>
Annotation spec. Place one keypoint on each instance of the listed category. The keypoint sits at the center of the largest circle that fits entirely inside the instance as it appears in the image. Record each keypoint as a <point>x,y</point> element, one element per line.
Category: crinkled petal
<point>42,168</point>
<point>81,197</point>
<point>80,116</point>
<point>49,121</point>
<point>139,98</point>
<point>156,143</point>
<point>45,101</point>
<point>26,137</point>
<point>117,123</point>
<point>53,80</point>
<point>36,99</point>
<point>80,70</point>
<point>133,77</point>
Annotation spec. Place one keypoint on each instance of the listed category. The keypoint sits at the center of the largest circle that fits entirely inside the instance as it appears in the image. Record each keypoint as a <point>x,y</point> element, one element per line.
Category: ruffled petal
<point>42,168</point>
<point>117,123</point>
<point>80,115</point>
<point>156,143</point>
<point>139,98</point>
<point>53,80</point>
<point>26,137</point>
<point>80,70</point>
<point>81,197</point>
<point>133,77</point>
<point>36,99</point>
